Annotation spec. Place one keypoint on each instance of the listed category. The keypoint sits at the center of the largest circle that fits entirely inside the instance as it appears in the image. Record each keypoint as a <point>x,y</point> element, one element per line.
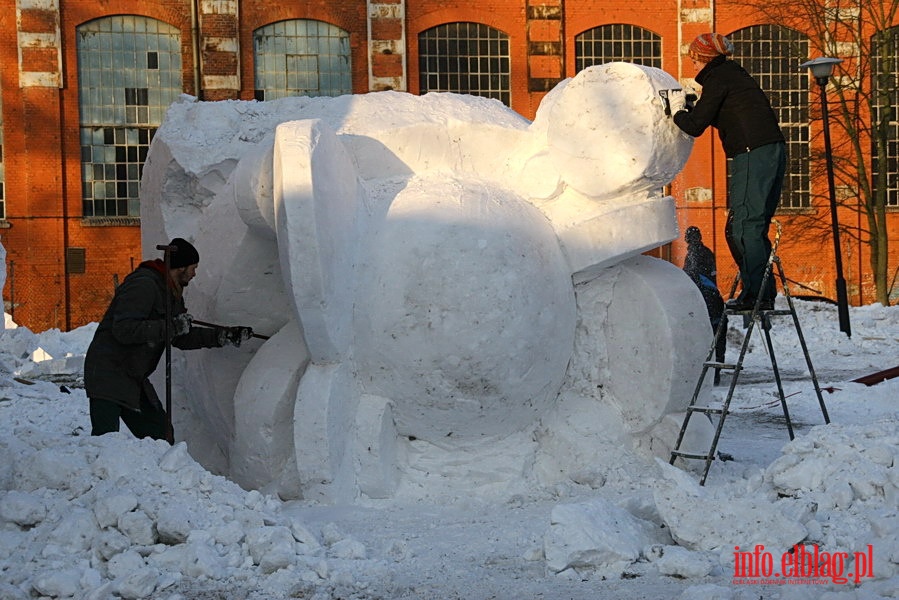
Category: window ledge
<point>110,221</point>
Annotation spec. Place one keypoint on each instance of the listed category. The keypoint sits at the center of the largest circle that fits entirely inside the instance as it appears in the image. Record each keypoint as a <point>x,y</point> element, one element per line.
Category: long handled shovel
<point>169,431</point>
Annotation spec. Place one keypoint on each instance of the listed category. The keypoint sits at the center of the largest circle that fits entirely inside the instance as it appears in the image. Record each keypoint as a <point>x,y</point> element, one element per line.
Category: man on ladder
<point>756,313</point>
<point>734,103</point>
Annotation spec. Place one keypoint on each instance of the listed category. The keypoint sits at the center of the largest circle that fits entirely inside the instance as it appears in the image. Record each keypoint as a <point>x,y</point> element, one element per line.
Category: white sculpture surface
<point>456,296</point>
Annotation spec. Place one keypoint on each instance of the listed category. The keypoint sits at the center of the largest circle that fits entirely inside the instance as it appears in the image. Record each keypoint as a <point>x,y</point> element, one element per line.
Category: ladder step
<point>748,311</point>
<point>707,410</point>
<point>691,455</point>
<point>719,365</point>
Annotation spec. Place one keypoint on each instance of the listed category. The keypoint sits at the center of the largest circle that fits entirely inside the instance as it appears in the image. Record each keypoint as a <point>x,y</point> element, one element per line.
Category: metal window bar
<point>771,54</point>
<point>884,61</point>
<point>617,42</point>
<point>129,72</point>
<point>301,57</point>
<point>466,58</point>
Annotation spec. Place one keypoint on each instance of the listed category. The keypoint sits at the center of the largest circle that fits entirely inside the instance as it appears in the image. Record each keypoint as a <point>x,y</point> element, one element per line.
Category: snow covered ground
<point>115,517</point>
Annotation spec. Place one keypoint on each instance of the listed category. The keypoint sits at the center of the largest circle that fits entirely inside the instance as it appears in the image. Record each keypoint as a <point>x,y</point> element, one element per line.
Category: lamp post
<point>822,69</point>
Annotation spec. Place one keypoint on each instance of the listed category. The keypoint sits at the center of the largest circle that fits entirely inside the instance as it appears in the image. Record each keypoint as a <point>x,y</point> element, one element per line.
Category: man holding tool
<point>147,316</point>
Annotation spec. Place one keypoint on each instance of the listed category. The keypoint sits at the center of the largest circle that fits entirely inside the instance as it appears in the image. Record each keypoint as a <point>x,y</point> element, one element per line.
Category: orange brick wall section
<point>42,148</point>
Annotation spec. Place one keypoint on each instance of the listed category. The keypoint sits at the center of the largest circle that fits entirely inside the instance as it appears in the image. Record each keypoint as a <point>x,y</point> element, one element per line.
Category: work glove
<point>691,97</point>
<point>677,101</point>
<point>181,324</point>
<point>234,336</point>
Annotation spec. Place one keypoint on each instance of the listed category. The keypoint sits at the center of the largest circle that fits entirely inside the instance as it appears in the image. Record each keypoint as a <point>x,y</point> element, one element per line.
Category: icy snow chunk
<point>53,469</point>
<point>308,544</point>
<point>122,564</point>
<point>109,509</point>
<point>177,459</point>
<point>681,562</point>
<point>348,548</point>
<point>124,459</point>
<point>140,583</point>
<point>227,534</point>
<point>701,520</point>
<point>22,508</point>
<point>202,560</point>
<point>75,532</point>
<point>11,592</point>
<point>58,583</point>
<point>174,524</point>
<point>598,536</point>
<point>111,542</point>
<point>40,355</point>
<point>272,548</point>
<point>138,527</point>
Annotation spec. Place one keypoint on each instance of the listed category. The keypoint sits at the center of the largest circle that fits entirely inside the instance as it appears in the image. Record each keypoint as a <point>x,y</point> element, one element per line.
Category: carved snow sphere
<point>495,343</point>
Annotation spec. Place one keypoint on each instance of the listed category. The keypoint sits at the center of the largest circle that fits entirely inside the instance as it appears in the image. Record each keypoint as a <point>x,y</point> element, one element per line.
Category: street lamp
<point>821,69</point>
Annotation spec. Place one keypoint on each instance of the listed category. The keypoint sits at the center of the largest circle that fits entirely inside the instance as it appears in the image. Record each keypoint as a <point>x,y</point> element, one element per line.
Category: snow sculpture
<point>3,283</point>
<point>457,296</point>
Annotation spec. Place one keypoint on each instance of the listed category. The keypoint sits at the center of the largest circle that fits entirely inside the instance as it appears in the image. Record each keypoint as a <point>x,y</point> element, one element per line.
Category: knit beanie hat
<point>709,45</point>
<point>692,235</point>
<point>184,256</point>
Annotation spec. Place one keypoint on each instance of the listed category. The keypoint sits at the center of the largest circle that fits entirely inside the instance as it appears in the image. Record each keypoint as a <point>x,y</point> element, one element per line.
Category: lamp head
<point>821,68</point>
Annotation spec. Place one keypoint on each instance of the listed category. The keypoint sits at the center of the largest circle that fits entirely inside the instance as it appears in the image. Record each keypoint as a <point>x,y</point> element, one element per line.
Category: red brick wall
<point>42,149</point>
<point>349,15</point>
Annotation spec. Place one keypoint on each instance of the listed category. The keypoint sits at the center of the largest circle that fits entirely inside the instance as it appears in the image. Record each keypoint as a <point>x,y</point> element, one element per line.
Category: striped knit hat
<point>709,45</point>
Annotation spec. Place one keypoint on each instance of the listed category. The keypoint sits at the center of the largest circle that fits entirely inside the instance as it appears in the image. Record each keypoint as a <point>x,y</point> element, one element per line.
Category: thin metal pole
<point>842,299</point>
<point>169,430</point>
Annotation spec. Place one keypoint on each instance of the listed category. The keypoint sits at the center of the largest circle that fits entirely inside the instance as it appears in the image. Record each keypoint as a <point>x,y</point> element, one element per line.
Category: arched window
<point>885,87</point>
<point>301,57</point>
<point>467,58</point>
<point>617,42</point>
<point>772,54</point>
<point>129,72</point>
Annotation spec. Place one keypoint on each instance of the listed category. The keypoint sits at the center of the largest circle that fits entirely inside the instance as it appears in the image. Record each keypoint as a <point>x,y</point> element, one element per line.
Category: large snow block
<point>263,409</point>
<point>624,156</point>
<point>653,374</point>
<point>316,197</point>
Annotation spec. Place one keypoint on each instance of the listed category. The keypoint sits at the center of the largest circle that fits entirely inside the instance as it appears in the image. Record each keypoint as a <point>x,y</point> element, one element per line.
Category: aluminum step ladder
<point>756,316</point>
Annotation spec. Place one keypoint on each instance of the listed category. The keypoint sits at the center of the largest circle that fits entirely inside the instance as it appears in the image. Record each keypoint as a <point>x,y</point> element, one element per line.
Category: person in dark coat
<point>734,104</point>
<point>700,265</point>
<point>130,340</point>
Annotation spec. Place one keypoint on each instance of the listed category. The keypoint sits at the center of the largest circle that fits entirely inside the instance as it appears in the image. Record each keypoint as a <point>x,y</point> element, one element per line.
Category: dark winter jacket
<point>700,260</point>
<point>699,264</point>
<point>130,339</point>
<point>735,105</point>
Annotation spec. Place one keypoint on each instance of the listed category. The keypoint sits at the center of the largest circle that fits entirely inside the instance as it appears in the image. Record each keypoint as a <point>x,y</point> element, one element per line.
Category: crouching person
<point>130,340</point>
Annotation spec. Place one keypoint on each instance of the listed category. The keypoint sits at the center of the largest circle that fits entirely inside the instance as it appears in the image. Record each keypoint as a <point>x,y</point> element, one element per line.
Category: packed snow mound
<point>148,514</point>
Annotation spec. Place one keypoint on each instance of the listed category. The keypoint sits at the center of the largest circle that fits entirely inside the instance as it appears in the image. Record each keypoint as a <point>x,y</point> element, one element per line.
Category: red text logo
<point>802,565</point>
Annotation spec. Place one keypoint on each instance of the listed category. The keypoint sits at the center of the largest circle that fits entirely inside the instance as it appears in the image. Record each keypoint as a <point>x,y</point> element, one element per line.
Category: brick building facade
<point>75,128</point>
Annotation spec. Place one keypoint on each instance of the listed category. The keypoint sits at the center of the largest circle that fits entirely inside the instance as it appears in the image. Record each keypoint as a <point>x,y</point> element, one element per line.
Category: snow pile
<point>26,354</point>
<point>845,481</point>
<point>717,518</point>
<point>115,517</point>
<point>132,518</point>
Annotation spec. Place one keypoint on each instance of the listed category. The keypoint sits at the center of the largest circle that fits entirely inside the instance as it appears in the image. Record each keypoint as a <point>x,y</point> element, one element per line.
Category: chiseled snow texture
<point>114,517</point>
<point>421,264</point>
